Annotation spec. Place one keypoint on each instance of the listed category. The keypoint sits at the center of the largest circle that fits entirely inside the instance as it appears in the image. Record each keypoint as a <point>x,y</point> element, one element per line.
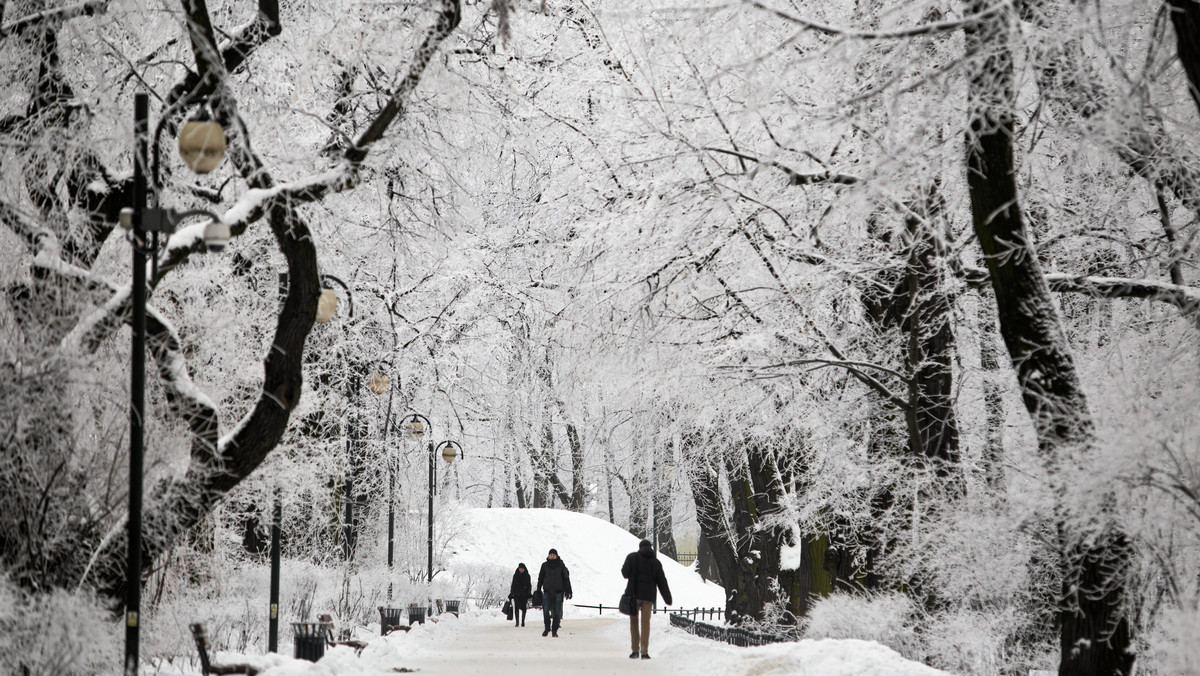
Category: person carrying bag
<point>519,592</point>
<point>646,580</point>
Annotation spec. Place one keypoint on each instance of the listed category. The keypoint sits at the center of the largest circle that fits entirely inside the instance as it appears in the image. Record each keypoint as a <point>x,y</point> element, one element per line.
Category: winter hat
<point>554,552</point>
<point>646,543</point>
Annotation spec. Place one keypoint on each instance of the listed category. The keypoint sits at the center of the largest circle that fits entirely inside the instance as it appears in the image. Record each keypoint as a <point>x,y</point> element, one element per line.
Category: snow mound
<point>824,657</point>
<point>593,550</point>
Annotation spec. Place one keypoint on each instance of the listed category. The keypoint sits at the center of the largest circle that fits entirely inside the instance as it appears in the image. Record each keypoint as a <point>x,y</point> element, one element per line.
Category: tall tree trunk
<point>578,481</point>
<point>993,398</point>
<point>745,549</point>
<point>1095,635</point>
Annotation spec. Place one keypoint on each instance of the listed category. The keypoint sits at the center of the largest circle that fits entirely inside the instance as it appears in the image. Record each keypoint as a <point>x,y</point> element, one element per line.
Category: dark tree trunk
<point>745,552</point>
<point>1096,637</point>
<point>578,481</point>
<point>933,428</point>
<point>1185,17</point>
<point>706,565</point>
<point>993,398</point>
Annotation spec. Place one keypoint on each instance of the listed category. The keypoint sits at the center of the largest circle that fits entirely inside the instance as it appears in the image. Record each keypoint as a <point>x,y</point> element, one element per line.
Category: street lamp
<point>449,451</point>
<point>327,305</point>
<point>380,383</point>
<point>418,426</point>
<point>140,219</point>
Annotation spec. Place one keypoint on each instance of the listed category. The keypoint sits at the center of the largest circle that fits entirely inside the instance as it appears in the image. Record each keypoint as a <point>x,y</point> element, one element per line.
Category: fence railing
<point>701,613</point>
<point>601,608</point>
<point>710,613</point>
<point>685,559</point>
<point>731,635</point>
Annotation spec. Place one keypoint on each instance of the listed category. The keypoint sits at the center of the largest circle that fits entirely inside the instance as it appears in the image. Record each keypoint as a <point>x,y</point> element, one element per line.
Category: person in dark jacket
<point>554,581</point>
<point>519,592</point>
<point>646,579</point>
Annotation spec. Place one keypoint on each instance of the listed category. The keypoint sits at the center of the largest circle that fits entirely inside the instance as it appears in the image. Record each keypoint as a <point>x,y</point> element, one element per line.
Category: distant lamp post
<point>378,382</point>
<point>450,451</point>
<point>139,220</point>
<point>327,305</point>
<point>418,426</point>
<point>202,145</point>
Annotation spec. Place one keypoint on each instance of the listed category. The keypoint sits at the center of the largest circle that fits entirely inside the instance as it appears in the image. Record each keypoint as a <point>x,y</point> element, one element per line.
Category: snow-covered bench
<point>200,634</point>
<point>331,641</point>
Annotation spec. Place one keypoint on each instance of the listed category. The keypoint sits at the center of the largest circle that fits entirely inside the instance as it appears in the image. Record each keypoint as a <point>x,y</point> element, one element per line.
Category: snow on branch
<point>88,8</point>
<point>197,409</point>
<point>794,177</point>
<point>935,28</point>
<point>1186,298</point>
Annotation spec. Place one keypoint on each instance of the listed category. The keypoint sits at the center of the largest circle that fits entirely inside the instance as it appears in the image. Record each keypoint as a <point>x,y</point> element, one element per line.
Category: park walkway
<point>594,645</point>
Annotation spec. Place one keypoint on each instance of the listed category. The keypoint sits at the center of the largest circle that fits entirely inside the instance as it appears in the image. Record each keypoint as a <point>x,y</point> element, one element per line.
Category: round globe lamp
<point>202,145</point>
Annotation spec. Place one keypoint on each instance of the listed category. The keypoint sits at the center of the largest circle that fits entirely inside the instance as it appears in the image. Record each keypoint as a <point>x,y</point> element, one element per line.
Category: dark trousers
<point>552,604</point>
<point>520,610</point>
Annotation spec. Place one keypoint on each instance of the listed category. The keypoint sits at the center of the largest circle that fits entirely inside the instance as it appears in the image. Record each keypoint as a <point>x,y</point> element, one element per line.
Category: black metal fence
<point>731,635</point>
<point>701,613</point>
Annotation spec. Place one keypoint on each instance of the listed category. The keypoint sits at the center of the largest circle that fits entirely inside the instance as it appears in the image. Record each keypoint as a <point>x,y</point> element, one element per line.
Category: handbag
<point>537,599</point>
<point>507,609</point>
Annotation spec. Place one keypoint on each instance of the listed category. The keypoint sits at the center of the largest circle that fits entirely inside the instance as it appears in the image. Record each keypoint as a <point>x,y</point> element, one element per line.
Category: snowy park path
<point>592,645</point>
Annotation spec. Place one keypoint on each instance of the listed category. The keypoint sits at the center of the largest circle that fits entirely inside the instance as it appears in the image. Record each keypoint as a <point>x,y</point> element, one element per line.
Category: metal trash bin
<point>308,640</point>
<point>389,617</point>
<point>452,607</point>
<point>416,614</point>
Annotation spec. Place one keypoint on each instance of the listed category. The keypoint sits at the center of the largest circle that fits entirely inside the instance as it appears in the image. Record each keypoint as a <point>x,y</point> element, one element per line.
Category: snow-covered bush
<point>885,618</point>
<point>976,642</point>
<point>62,633</point>
<point>1172,646</point>
<point>487,584</point>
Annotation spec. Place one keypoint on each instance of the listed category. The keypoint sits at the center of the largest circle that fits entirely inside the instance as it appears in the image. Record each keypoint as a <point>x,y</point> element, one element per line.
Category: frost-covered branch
<point>794,177</point>
<point>1186,298</point>
<point>184,398</point>
<point>58,14</point>
<point>935,28</point>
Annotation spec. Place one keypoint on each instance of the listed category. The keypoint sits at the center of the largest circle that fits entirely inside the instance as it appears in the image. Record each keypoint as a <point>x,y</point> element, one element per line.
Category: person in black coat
<point>554,581</point>
<point>646,579</point>
<point>519,592</point>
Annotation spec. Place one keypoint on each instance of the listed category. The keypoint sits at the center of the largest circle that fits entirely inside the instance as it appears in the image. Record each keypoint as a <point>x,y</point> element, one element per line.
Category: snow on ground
<point>592,549</point>
<point>484,642</point>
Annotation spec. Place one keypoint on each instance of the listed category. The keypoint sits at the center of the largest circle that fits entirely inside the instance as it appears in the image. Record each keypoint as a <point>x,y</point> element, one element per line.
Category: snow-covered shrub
<point>486,584</point>
<point>1172,647</point>
<point>967,641</point>
<point>884,618</point>
<point>62,633</point>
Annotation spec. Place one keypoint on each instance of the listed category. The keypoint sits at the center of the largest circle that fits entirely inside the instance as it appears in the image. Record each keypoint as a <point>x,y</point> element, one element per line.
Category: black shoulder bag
<point>628,605</point>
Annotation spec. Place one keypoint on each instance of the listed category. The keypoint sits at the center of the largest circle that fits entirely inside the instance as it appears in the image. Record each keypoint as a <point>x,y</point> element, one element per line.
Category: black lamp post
<point>326,308</point>
<point>449,451</point>
<point>380,383</point>
<point>418,426</point>
<point>140,219</point>
<point>273,621</point>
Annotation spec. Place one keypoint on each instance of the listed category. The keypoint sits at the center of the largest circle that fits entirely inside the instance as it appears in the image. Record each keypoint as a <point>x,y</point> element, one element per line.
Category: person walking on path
<point>519,592</point>
<point>646,579</point>
<point>554,581</point>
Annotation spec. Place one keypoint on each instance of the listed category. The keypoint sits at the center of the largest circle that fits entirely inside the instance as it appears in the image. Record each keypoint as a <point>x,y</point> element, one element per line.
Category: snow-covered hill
<point>593,550</point>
